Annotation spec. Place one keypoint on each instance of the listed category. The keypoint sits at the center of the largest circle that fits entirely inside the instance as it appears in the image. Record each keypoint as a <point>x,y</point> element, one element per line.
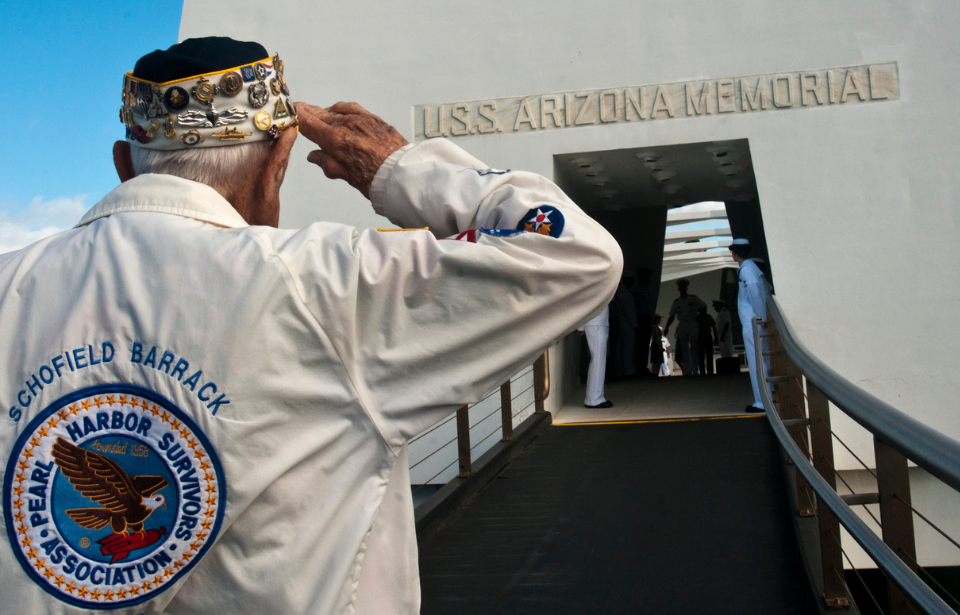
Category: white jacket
<point>231,404</point>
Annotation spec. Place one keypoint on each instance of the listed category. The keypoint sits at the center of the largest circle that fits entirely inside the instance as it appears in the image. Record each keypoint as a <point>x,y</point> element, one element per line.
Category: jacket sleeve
<point>425,324</point>
<point>756,290</point>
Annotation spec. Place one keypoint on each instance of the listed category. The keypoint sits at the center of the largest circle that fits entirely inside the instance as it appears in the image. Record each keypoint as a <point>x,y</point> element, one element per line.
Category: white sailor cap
<point>740,241</point>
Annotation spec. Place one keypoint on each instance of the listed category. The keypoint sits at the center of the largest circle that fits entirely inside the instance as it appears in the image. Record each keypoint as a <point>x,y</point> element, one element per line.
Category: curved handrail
<point>865,409</point>
<point>931,450</point>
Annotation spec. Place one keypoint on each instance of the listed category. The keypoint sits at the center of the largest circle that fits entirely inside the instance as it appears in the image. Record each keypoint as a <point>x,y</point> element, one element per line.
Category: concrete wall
<point>859,201</point>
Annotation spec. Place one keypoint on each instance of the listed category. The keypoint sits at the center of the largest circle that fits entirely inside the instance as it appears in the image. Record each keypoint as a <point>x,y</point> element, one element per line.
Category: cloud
<point>39,219</point>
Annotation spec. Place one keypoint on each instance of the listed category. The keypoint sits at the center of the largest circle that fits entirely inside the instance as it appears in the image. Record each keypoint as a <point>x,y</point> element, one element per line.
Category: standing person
<point>628,329</point>
<point>658,349</point>
<point>751,302</point>
<point>641,297</point>
<point>665,368</point>
<point>724,330</point>
<point>597,329</point>
<point>685,308</point>
<point>677,351</point>
<point>706,338</point>
<point>212,413</point>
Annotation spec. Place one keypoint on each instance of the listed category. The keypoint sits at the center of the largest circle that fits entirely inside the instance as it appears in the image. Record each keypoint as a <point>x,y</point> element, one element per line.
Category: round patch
<point>176,98</point>
<point>260,71</point>
<point>262,121</point>
<point>545,220</point>
<point>110,495</point>
<point>258,95</point>
<point>231,83</point>
<point>204,91</point>
<point>191,138</point>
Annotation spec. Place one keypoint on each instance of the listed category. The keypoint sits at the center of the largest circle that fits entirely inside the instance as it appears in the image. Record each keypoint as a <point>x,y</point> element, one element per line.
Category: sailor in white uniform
<point>751,302</point>
<point>597,330</point>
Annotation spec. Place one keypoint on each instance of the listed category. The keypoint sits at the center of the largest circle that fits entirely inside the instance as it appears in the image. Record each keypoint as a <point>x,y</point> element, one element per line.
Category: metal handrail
<point>910,437</point>
<point>931,450</point>
<point>541,389</point>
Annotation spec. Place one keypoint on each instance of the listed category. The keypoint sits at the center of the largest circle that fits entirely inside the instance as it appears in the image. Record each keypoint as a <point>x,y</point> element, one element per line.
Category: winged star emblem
<point>125,501</point>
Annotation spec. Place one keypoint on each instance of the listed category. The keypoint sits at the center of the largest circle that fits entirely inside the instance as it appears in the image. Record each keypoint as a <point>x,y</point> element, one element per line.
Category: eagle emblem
<point>126,501</point>
<point>111,494</point>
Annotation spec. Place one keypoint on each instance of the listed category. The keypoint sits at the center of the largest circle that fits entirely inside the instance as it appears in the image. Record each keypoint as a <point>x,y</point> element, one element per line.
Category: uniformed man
<point>208,414</point>
<point>685,308</point>
<point>597,331</point>
<point>751,302</point>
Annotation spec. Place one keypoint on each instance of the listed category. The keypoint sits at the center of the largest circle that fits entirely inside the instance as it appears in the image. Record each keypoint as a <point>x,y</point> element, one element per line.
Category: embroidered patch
<point>110,495</point>
<point>500,232</point>
<point>545,220</point>
<point>470,236</point>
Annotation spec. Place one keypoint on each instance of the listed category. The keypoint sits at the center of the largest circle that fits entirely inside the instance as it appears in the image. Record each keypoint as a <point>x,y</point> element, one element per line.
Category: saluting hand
<point>353,142</point>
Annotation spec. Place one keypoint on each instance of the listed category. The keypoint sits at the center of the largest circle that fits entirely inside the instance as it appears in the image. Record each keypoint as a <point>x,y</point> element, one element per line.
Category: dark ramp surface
<point>662,517</point>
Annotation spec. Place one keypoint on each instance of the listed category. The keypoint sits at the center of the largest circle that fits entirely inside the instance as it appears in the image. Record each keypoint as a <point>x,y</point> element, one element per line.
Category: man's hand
<point>353,142</point>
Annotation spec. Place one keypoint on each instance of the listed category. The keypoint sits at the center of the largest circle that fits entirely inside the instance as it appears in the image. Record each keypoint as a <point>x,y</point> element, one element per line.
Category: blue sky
<point>61,102</point>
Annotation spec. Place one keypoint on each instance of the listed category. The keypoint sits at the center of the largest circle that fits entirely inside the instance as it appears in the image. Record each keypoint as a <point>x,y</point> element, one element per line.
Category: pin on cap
<point>210,108</point>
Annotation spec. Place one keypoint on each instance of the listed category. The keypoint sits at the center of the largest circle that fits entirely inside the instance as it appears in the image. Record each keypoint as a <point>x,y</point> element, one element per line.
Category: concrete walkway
<point>679,517</point>
<point>656,398</point>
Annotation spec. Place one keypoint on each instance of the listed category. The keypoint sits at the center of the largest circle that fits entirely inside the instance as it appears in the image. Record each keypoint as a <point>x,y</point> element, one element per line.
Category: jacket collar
<point>167,194</point>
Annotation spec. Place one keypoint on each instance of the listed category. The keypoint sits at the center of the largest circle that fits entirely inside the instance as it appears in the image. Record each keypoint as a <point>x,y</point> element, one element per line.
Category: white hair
<point>217,167</point>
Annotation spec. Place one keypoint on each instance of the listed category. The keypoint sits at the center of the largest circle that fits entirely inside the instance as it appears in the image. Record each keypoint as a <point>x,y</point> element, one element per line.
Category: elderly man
<point>208,414</point>
<point>751,302</point>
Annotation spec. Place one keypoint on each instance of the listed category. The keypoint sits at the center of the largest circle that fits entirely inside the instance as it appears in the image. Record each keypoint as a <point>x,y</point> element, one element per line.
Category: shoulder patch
<point>500,232</point>
<point>469,236</point>
<point>482,172</point>
<point>544,220</point>
<point>110,495</point>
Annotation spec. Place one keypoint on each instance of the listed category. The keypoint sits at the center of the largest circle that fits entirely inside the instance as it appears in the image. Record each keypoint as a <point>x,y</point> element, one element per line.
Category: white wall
<point>859,202</point>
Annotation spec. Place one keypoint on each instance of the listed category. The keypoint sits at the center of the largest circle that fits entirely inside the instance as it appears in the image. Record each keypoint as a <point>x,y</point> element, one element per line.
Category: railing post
<point>893,484</point>
<point>541,382</point>
<point>506,412</point>
<point>463,441</point>
<point>789,397</point>
<point>821,443</point>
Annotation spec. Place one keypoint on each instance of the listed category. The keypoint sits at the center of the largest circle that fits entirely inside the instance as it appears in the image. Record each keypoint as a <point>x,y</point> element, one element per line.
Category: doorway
<point>674,210</point>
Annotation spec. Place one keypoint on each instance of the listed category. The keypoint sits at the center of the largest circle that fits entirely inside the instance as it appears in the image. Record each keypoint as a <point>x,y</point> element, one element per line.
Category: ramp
<point>676,516</point>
